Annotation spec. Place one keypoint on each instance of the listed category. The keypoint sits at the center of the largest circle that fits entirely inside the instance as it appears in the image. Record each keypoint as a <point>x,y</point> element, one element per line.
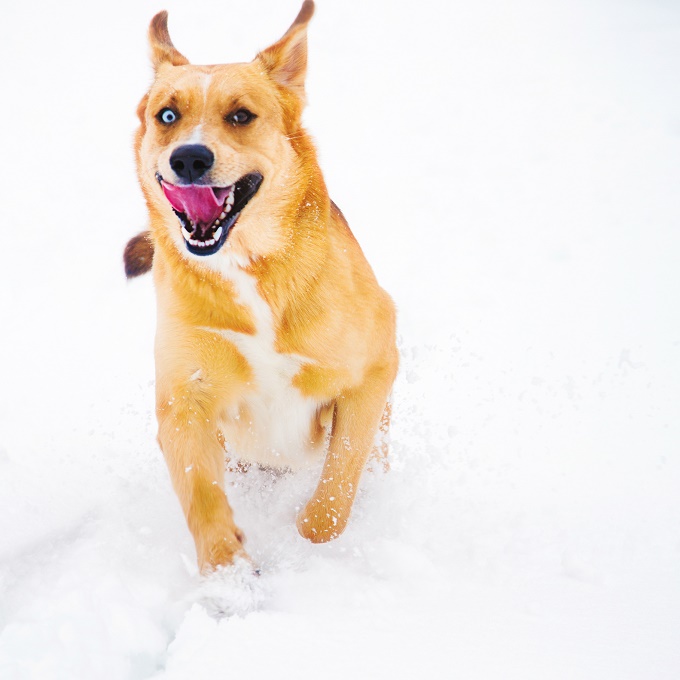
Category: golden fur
<point>290,267</point>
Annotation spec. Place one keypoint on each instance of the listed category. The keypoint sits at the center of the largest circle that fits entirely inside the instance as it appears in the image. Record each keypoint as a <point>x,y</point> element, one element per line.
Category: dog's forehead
<point>218,82</point>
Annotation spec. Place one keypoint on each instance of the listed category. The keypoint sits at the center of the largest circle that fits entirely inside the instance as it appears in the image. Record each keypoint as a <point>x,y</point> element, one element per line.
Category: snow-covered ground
<point>512,170</point>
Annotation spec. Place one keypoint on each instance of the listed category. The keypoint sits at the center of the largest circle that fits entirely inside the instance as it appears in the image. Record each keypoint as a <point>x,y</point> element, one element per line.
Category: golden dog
<point>274,344</point>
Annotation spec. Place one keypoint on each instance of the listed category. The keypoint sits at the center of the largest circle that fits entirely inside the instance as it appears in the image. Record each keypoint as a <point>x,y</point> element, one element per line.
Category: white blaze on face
<point>196,136</point>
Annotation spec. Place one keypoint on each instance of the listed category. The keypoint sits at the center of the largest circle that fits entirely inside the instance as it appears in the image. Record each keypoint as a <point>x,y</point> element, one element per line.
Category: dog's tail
<point>138,255</point>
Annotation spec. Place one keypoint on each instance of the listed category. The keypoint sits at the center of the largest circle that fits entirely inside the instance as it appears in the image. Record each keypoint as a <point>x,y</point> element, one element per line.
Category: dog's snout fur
<point>191,161</point>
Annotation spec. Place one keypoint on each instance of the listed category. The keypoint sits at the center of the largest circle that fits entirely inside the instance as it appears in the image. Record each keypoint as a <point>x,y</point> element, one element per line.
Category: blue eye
<point>167,116</point>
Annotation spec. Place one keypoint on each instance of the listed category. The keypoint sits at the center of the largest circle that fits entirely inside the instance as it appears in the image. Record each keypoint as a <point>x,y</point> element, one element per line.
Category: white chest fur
<point>272,424</point>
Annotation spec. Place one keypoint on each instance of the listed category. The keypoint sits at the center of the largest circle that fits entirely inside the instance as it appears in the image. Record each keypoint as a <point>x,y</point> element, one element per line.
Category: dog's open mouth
<point>207,213</point>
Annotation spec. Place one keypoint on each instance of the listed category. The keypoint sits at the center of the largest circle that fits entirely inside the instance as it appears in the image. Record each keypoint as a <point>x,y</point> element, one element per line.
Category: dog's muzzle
<point>207,213</point>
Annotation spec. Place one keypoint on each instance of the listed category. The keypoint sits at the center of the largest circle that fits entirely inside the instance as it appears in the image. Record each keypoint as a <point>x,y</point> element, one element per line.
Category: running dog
<point>275,344</point>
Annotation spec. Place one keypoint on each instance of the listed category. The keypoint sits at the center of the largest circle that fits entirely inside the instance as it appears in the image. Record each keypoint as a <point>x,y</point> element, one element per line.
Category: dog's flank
<point>274,340</point>
<point>138,255</point>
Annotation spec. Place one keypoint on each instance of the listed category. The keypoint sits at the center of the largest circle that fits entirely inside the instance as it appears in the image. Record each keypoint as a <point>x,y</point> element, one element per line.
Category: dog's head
<point>220,149</point>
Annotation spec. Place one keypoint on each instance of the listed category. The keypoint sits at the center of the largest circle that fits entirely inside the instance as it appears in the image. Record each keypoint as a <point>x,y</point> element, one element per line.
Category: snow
<point>512,172</point>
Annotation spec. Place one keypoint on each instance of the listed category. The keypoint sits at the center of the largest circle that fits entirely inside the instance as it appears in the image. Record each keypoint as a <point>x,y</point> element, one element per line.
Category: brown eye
<point>241,117</point>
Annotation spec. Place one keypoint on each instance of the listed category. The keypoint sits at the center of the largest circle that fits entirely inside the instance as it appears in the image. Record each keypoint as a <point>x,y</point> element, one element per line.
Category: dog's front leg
<point>187,408</point>
<point>356,419</point>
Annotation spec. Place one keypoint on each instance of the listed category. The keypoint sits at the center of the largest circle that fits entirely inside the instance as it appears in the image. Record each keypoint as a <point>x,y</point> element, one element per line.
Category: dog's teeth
<point>227,208</point>
<point>218,233</point>
<point>186,233</point>
<point>217,221</point>
<point>230,199</point>
<point>222,216</point>
<point>211,242</point>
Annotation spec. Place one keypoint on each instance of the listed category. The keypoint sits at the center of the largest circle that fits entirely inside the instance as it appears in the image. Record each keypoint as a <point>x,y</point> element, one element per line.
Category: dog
<point>275,344</point>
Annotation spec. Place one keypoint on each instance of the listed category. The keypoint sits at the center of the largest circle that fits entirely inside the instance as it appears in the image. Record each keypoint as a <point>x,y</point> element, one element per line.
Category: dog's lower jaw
<point>205,239</point>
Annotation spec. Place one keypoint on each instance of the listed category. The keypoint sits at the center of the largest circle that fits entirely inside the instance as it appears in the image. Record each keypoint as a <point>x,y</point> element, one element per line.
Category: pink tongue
<point>199,203</point>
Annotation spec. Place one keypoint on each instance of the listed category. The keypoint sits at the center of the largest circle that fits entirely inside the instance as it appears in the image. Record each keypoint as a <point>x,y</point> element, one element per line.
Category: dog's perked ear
<point>286,60</point>
<point>162,49</point>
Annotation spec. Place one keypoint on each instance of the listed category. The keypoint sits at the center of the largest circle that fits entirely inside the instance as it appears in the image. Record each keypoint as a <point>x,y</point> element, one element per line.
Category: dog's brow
<point>166,98</point>
<point>236,102</point>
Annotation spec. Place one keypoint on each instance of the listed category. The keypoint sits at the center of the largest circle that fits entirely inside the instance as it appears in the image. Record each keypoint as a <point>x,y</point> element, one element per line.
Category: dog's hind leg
<point>358,415</point>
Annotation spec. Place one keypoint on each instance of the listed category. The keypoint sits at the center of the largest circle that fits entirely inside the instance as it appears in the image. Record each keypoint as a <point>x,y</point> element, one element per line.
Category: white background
<point>512,171</point>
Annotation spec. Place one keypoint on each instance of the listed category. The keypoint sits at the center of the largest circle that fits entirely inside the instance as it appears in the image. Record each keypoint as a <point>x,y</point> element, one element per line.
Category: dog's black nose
<point>191,161</point>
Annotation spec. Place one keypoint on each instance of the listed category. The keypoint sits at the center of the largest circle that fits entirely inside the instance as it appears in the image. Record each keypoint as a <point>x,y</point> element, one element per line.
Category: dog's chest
<point>272,422</point>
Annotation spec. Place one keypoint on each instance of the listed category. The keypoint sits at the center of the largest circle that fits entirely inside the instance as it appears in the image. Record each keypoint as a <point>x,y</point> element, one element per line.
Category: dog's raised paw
<point>231,590</point>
